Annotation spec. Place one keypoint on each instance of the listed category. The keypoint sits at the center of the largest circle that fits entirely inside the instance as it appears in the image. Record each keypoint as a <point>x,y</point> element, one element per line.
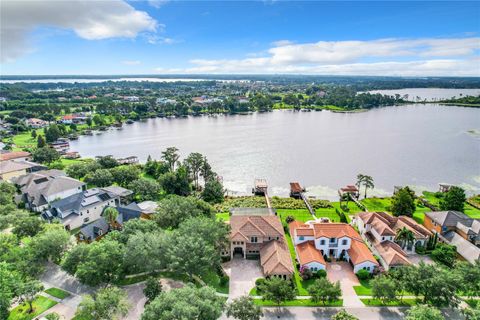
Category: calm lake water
<point>429,94</point>
<point>417,145</point>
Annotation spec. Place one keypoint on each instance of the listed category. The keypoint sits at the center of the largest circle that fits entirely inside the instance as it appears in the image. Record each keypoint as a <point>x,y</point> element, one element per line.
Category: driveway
<point>343,272</point>
<point>243,274</point>
<point>417,258</point>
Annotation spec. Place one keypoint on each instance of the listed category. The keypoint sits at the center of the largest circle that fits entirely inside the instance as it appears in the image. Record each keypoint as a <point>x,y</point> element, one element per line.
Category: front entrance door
<point>238,250</point>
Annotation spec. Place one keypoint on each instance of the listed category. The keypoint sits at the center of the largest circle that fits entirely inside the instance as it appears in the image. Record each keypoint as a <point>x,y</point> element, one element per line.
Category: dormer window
<point>253,239</point>
<point>322,242</point>
<point>333,240</point>
<point>344,242</point>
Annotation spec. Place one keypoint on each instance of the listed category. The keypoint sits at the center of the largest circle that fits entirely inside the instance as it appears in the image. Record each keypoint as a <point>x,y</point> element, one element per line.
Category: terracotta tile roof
<point>301,228</point>
<point>387,225</point>
<point>275,259</point>
<point>390,252</point>
<point>359,253</point>
<point>335,230</point>
<point>13,155</point>
<point>306,253</point>
<point>267,226</point>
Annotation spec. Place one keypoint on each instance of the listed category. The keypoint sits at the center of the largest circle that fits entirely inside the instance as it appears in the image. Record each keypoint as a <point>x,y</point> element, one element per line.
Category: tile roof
<point>335,230</point>
<point>387,225</point>
<point>275,258</point>
<point>267,226</point>
<point>391,253</point>
<point>12,166</point>
<point>359,253</point>
<point>13,155</point>
<point>307,253</point>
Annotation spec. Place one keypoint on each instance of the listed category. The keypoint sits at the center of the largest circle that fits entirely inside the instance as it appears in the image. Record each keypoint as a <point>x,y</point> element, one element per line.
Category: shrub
<point>306,273</point>
<point>363,274</point>
<point>289,219</point>
<point>223,280</point>
<point>321,273</point>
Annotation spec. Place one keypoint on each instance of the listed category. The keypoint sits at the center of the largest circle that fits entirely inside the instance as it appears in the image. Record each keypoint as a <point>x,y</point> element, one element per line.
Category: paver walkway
<point>242,273</point>
<point>343,272</point>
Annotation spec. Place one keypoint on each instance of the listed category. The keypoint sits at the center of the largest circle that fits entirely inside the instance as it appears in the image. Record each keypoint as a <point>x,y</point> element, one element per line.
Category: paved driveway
<point>243,274</point>
<point>417,258</point>
<point>343,272</point>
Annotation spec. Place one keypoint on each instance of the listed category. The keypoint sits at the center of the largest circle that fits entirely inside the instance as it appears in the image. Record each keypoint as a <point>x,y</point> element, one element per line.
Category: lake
<point>429,94</point>
<point>416,145</point>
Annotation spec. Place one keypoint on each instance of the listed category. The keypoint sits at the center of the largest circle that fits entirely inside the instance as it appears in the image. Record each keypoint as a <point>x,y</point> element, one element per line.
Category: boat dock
<point>297,192</point>
<point>261,189</point>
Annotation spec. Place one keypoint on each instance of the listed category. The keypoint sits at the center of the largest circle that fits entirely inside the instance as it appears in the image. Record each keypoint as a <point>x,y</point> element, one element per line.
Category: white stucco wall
<point>366,264</point>
<point>313,265</point>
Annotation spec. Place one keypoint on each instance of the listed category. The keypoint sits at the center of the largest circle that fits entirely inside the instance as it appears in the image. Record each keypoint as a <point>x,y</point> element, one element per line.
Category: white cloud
<point>131,62</point>
<point>91,20</point>
<point>157,3</point>
<point>394,57</point>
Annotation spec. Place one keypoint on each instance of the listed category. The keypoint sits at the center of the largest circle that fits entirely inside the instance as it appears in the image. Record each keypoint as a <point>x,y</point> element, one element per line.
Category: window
<point>383,238</point>
<point>278,238</point>
<point>322,242</point>
<point>344,242</point>
<point>301,237</point>
<point>253,239</point>
<point>333,240</point>
<point>88,211</point>
<point>86,219</point>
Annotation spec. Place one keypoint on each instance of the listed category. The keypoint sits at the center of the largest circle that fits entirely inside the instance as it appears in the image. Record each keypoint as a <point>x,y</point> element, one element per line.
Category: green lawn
<point>377,303</point>
<point>469,209</point>
<point>364,289</point>
<point>302,215</point>
<point>329,213</point>
<point>224,216</point>
<point>212,279</point>
<point>298,303</point>
<point>57,293</point>
<point>40,305</point>
<point>377,204</point>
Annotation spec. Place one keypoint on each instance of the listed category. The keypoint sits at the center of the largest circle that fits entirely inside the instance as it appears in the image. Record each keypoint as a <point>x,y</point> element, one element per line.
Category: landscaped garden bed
<point>57,293</point>
<point>40,305</point>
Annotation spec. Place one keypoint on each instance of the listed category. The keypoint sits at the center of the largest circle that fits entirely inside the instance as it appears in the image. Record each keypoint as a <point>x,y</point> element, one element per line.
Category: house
<point>67,119</point>
<point>6,155</point>
<point>128,160</point>
<point>458,229</point>
<point>123,194</point>
<point>380,229</point>
<point>93,231</point>
<point>259,233</point>
<point>38,189</point>
<point>12,169</point>
<point>36,123</point>
<point>165,101</point>
<point>314,241</point>
<point>131,98</point>
<point>79,209</point>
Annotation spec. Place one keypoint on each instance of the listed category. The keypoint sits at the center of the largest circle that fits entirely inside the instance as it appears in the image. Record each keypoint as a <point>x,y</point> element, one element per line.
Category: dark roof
<point>95,229</point>
<point>449,218</point>
<point>131,211</point>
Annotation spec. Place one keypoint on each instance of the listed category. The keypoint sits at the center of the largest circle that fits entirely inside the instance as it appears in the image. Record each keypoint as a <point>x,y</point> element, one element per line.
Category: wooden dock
<point>261,189</point>
<point>297,192</point>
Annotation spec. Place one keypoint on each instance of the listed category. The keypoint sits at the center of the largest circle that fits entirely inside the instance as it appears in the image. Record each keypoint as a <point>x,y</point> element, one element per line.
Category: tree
<point>215,232</point>
<point>213,192</point>
<point>469,275</point>
<point>194,163</point>
<point>152,289</point>
<point>9,282</point>
<point>27,226</point>
<point>145,252</point>
<point>111,214</point>
<point>171,156</point>
<point>367,183</point>
<point>89,122</point>
<point>185,303</point>
<point>472,313</point>
<point>405,237</point>
<point>81,169</point>
<point>277,290</point>
<point>323,290</point>
<point>53,133</point>
<point>45,155</point>
<point>74,257</point>
<point>343,315</point>
<point>360,179</point>
<point>123,175</point>
<point>102,263</point>
<point>174,209</point>
<point>134,226</point>
<point>41,141</point>
<point>28,291</point>
<point>107,162</point>
<point>50,243</point>
<point>445,254</point>
<point>52,316</point>
<point>384,289</point>
<point>34,134</point>
<point>403,203</point>
<point>107,304</point>
<point>177,182</point>
<point>424,312</point>
<point>243,308</point>
<point>145,189</point>
<point>100,178</point>
<point>454,200</point>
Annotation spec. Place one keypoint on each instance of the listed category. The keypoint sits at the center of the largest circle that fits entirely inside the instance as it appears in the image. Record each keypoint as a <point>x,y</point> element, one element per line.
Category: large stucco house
<point>380,229</point>
<point>314,241</point>
<point>259,233</point>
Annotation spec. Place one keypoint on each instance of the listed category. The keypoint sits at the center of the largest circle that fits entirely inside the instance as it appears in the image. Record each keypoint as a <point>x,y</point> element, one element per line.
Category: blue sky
<point>148,37</point>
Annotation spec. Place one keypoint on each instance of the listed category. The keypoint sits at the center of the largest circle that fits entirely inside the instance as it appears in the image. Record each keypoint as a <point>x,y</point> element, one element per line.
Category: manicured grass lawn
<point>40,305</point>
<point>377,303</point>
<point>377,204</point>
<point>364,289</point>
<point>302,286</point>
<point>299,302</point>
<point>224,216</point>
<point>302,215</point>
<point>469,210</point>
<point>57,293</point>
<point>329,213</point>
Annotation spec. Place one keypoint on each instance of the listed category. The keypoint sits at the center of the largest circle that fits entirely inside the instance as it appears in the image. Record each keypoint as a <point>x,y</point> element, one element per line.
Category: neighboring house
<point>93,231</point>
<point>12,169</point>
<point>316,240</point>
<point>123,194</point>
<point>165,101</point>
<point>38,189</point>
<point>128,160</point>
<point>67,119</point>
<point>380,229</point>
<point>15,155</point>
<point>458,229</point>
<point>36,123</point>
<point>81,208</point>
<point>257,232</point>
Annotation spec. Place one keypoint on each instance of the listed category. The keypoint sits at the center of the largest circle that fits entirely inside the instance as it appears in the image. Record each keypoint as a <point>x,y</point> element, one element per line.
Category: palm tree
<point>368,183</point>
<point>110,214</point>
<point>360,178</point>
<point>405,237</point>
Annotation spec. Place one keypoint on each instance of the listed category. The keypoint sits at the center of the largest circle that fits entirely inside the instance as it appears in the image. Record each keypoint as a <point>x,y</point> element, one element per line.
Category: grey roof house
<point>81,208</point>
<point>39,189</point>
